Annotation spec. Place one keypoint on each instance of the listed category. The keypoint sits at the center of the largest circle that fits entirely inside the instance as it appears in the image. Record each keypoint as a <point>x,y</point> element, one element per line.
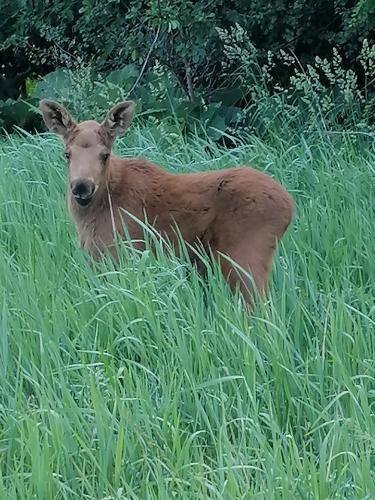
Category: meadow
<point>141,381</point>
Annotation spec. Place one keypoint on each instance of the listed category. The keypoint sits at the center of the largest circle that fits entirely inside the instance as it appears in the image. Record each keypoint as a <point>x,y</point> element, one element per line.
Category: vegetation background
<point>227,65</point>
<point>142,381</point>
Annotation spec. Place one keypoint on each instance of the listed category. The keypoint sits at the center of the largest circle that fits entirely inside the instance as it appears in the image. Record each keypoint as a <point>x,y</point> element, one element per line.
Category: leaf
<point>55,85</point>
<point>124,77</point>
<point>231,113</point>
<point>216,127</point>
<point>16,112</point>
<point>30,86</point>
<point>228,96</point>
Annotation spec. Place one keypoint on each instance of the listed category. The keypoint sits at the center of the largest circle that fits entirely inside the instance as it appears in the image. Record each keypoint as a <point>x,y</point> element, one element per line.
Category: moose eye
<point>105,157</point>
<point>67,155</point>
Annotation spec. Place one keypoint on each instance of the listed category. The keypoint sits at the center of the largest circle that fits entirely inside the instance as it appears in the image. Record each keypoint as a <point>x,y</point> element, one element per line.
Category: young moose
<point>238,212</point>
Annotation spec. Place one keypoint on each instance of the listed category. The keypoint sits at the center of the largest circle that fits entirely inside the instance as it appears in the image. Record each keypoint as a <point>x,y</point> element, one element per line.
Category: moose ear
<point>56,118</point>
<point>118,119</point>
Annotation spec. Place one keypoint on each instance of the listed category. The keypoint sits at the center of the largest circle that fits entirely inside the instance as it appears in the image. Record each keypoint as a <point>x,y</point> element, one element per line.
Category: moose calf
<point>238,212</point>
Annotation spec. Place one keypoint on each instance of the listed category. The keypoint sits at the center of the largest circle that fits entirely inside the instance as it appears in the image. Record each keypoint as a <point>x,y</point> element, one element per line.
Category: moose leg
<point>253,253</point>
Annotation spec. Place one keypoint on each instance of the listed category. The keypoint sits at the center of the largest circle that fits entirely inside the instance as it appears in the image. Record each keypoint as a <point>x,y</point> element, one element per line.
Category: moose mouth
<point>83,193</point>
<point>83,202</point>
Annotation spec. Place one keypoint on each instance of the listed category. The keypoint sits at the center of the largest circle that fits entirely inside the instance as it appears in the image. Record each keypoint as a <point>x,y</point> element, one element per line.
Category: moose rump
<point>237,212</point>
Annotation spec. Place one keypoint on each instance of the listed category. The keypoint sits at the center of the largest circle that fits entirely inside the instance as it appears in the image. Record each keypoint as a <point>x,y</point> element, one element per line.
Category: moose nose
<point>82,191</point>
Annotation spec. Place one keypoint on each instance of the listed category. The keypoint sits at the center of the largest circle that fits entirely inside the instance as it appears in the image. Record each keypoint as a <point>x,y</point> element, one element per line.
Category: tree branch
<point>146,60</point>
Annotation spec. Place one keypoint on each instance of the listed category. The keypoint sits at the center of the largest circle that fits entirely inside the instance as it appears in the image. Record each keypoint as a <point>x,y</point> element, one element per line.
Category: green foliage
<point>183,38</point>
<point>89,95</point>
<point>321,93</point>
<point>141,382</point>
<point>18,113</point>
<point>324,94</point>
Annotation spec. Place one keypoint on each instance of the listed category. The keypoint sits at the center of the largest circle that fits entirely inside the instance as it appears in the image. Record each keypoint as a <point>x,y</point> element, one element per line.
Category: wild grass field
<point>142,382</point>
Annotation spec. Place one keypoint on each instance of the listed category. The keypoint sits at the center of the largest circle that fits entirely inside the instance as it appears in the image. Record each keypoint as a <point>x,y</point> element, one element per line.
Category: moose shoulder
<point>237,212</point>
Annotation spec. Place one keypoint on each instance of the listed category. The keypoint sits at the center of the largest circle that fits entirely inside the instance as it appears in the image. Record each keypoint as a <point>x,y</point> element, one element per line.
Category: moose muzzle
<point>82,191</point>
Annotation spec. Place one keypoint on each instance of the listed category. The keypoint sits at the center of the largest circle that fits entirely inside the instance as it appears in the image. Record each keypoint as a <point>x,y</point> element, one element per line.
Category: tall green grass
<point>140,381</point>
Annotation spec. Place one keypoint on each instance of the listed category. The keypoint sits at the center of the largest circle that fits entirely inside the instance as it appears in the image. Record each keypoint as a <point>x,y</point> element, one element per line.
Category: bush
<point>184,39</point>
<point>323,91</point>
<point>181,33</point>
<point>88,94</point>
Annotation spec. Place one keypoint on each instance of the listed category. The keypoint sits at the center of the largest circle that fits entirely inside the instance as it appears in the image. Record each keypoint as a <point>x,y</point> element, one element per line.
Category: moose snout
<point>82,190</point>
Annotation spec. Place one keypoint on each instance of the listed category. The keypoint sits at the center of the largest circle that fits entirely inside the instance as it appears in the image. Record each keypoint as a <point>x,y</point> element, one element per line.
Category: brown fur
<point>238,212</point>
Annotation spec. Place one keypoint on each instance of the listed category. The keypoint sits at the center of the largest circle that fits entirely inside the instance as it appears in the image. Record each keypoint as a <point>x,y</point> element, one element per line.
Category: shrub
<point>323,91</point>
<point>185,40</point>
<point>181,33</point>
<point>88,94</point>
